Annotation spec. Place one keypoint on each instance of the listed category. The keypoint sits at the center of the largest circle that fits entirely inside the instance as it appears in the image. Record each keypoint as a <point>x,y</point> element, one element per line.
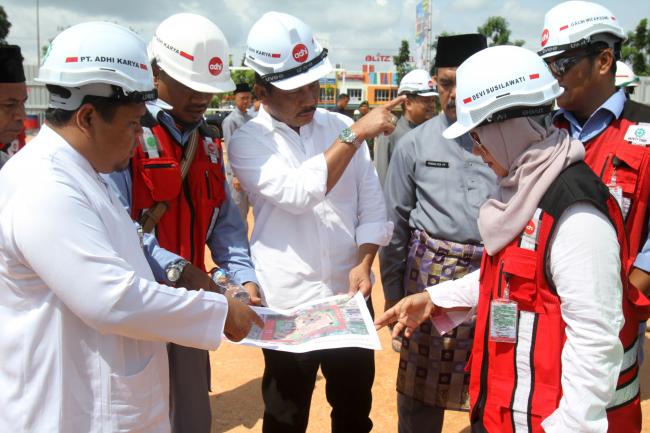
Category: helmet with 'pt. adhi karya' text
<point>96,59</point>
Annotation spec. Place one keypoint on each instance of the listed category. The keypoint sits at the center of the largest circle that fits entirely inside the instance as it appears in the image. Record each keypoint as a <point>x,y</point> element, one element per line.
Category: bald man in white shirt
<point>84,325</point>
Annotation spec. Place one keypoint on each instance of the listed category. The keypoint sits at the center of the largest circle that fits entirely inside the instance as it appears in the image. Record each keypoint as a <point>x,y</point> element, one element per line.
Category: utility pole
<point>38,35</point>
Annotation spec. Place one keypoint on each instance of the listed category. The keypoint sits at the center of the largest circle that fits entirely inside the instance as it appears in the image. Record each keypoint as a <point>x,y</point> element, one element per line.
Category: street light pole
<point>38,35</point>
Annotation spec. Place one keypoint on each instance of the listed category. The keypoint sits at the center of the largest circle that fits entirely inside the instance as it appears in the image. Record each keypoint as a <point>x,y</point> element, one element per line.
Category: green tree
<point>5,25</point>
<point>497,32</point>
<point>402,60</point>
<point>636,49</point>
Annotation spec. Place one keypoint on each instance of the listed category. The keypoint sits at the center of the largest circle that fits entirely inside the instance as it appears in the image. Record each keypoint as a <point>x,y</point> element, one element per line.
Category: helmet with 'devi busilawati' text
<point>283,51</point>
<point>500,83</point>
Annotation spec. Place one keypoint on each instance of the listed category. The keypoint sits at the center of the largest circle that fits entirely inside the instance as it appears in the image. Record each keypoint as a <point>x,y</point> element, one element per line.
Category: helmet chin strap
<point>277,76</point>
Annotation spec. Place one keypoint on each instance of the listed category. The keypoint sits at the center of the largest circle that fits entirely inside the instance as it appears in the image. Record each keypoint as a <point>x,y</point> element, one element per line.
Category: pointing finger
<point>394,103</point>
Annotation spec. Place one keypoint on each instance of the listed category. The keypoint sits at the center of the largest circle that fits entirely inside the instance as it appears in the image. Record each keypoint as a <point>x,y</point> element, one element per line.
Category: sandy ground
<point>237,370</point>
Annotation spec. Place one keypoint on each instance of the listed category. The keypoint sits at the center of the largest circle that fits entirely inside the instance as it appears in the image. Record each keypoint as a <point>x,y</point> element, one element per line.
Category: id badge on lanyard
<point>503,318</point>
<point>617,192</point>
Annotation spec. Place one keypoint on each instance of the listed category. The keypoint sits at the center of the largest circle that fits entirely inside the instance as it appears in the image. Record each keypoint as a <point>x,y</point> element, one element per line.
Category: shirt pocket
<point>162,178</point>
<point>138,401</point>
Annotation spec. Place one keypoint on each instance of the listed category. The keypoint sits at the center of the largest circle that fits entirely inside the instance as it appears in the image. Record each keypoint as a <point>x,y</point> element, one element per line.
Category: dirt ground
<point>237,400</point>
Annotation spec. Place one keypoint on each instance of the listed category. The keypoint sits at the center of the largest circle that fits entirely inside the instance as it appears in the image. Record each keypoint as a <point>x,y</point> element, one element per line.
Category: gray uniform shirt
<point>385,146</point>
<point>230,124</point>
<point>436,185</point>
<point>4,157</point>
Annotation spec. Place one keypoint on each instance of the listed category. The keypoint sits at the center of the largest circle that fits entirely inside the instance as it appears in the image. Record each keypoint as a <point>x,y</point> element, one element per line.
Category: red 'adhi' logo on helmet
<point>530,228</point>
<point>300,53</point>
<point>215,66</point>
<point>545,37</point>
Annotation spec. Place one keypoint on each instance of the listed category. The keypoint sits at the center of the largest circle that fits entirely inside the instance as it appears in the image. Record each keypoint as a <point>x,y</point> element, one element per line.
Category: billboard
<point>422,34</point>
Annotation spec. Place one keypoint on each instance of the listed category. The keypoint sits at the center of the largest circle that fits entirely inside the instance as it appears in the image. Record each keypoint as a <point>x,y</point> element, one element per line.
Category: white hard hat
<point>283,51</point>
<point>499,83</point>
<point>98,59</point>
<point>576,24</point>
<point>417,82</point>
<point>194,52</point>
<point>625,76</point>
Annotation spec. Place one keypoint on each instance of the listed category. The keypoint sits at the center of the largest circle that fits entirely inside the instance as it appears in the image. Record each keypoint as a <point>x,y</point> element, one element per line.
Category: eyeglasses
<point>561,66</point>
<point>476,141</point>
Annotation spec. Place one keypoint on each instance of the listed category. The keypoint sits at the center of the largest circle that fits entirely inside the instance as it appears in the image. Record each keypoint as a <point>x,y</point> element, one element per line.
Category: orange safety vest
<point>193,202</point>
<point>514,387</point>
<point>620,150</point>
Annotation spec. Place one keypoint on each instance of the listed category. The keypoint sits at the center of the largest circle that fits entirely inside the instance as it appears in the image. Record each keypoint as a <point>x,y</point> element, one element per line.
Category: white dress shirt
<point>584,264</point>
<point>305,241</point>
<point>84,325</point>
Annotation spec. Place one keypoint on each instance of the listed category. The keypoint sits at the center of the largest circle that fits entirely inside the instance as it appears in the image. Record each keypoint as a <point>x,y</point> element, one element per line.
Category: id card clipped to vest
<point>503,318</point>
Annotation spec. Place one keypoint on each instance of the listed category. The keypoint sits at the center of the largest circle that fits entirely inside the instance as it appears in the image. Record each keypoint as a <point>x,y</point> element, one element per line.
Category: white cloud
<point>469,5</point>
<point>353,28</point>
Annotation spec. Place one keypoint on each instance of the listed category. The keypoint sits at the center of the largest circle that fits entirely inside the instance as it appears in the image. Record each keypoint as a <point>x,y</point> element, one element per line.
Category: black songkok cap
<point>11,64</point>
<point>242,87</point>
<point>454,50</point>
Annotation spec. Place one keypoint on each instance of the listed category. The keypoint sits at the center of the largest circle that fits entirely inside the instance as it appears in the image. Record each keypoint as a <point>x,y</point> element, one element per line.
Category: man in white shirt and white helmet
<point>418,107</point>
<point>319,216</point>
<point>85,325</point>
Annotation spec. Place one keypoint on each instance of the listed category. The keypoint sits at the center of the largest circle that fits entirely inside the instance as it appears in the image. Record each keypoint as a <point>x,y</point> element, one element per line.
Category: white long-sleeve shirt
<point>305,240</point>
<point>84,326</point>
<point>584,264</point>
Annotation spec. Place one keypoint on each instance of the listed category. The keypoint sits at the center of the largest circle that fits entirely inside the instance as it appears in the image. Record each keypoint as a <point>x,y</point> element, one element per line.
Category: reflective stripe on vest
<point>626,393</point>
<point>524,375</point>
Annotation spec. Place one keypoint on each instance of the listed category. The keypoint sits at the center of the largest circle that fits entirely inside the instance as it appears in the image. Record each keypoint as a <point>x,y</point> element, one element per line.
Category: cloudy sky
<point>351,28</point>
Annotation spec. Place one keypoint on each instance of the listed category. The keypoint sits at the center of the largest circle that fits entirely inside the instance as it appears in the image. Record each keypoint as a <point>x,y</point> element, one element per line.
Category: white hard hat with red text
<point>575,24</point>
<point>193,51</point>
<point>417,82</point>
<point>625,76</point>
<point>97,59</point>
<point>500,83</point>
<point>283,51</point>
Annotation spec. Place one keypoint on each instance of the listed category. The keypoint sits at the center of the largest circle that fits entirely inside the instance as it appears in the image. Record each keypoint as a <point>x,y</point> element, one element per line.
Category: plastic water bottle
<point>228,288</point>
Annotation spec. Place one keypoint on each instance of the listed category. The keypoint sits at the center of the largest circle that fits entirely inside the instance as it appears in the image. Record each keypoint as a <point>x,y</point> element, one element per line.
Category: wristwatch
<point>350,137</point>
<point>175,270</point>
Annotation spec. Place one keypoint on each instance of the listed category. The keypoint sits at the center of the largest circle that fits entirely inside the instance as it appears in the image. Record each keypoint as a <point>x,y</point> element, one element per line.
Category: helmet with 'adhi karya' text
<point>283,51</point>
<point>96,59</point>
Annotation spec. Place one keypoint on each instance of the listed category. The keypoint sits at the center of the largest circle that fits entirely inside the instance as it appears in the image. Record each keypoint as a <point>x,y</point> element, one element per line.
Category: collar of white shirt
<point>270,123</point>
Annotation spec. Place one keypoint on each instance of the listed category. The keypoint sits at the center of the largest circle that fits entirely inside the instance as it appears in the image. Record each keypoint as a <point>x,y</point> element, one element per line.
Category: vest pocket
<point>519,273</point>
<point>211,185</point>
<point>627,162</point>
<point>162,176</point>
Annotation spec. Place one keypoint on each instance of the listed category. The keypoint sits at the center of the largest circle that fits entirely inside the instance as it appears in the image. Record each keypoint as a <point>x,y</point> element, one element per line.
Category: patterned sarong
<point>431,367</point>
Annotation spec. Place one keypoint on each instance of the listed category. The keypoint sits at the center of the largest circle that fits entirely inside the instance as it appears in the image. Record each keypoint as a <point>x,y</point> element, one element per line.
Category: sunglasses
<point>561,66</point>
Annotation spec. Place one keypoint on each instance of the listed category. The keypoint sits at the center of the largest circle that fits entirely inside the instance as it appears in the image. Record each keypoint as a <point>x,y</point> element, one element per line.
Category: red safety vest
<point>514,387</point>
<point>193,203</point>
<point>618,149</point>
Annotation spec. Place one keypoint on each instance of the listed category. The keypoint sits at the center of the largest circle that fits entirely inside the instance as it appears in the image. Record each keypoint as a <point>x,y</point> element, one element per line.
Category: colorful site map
<point>337,321</point>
